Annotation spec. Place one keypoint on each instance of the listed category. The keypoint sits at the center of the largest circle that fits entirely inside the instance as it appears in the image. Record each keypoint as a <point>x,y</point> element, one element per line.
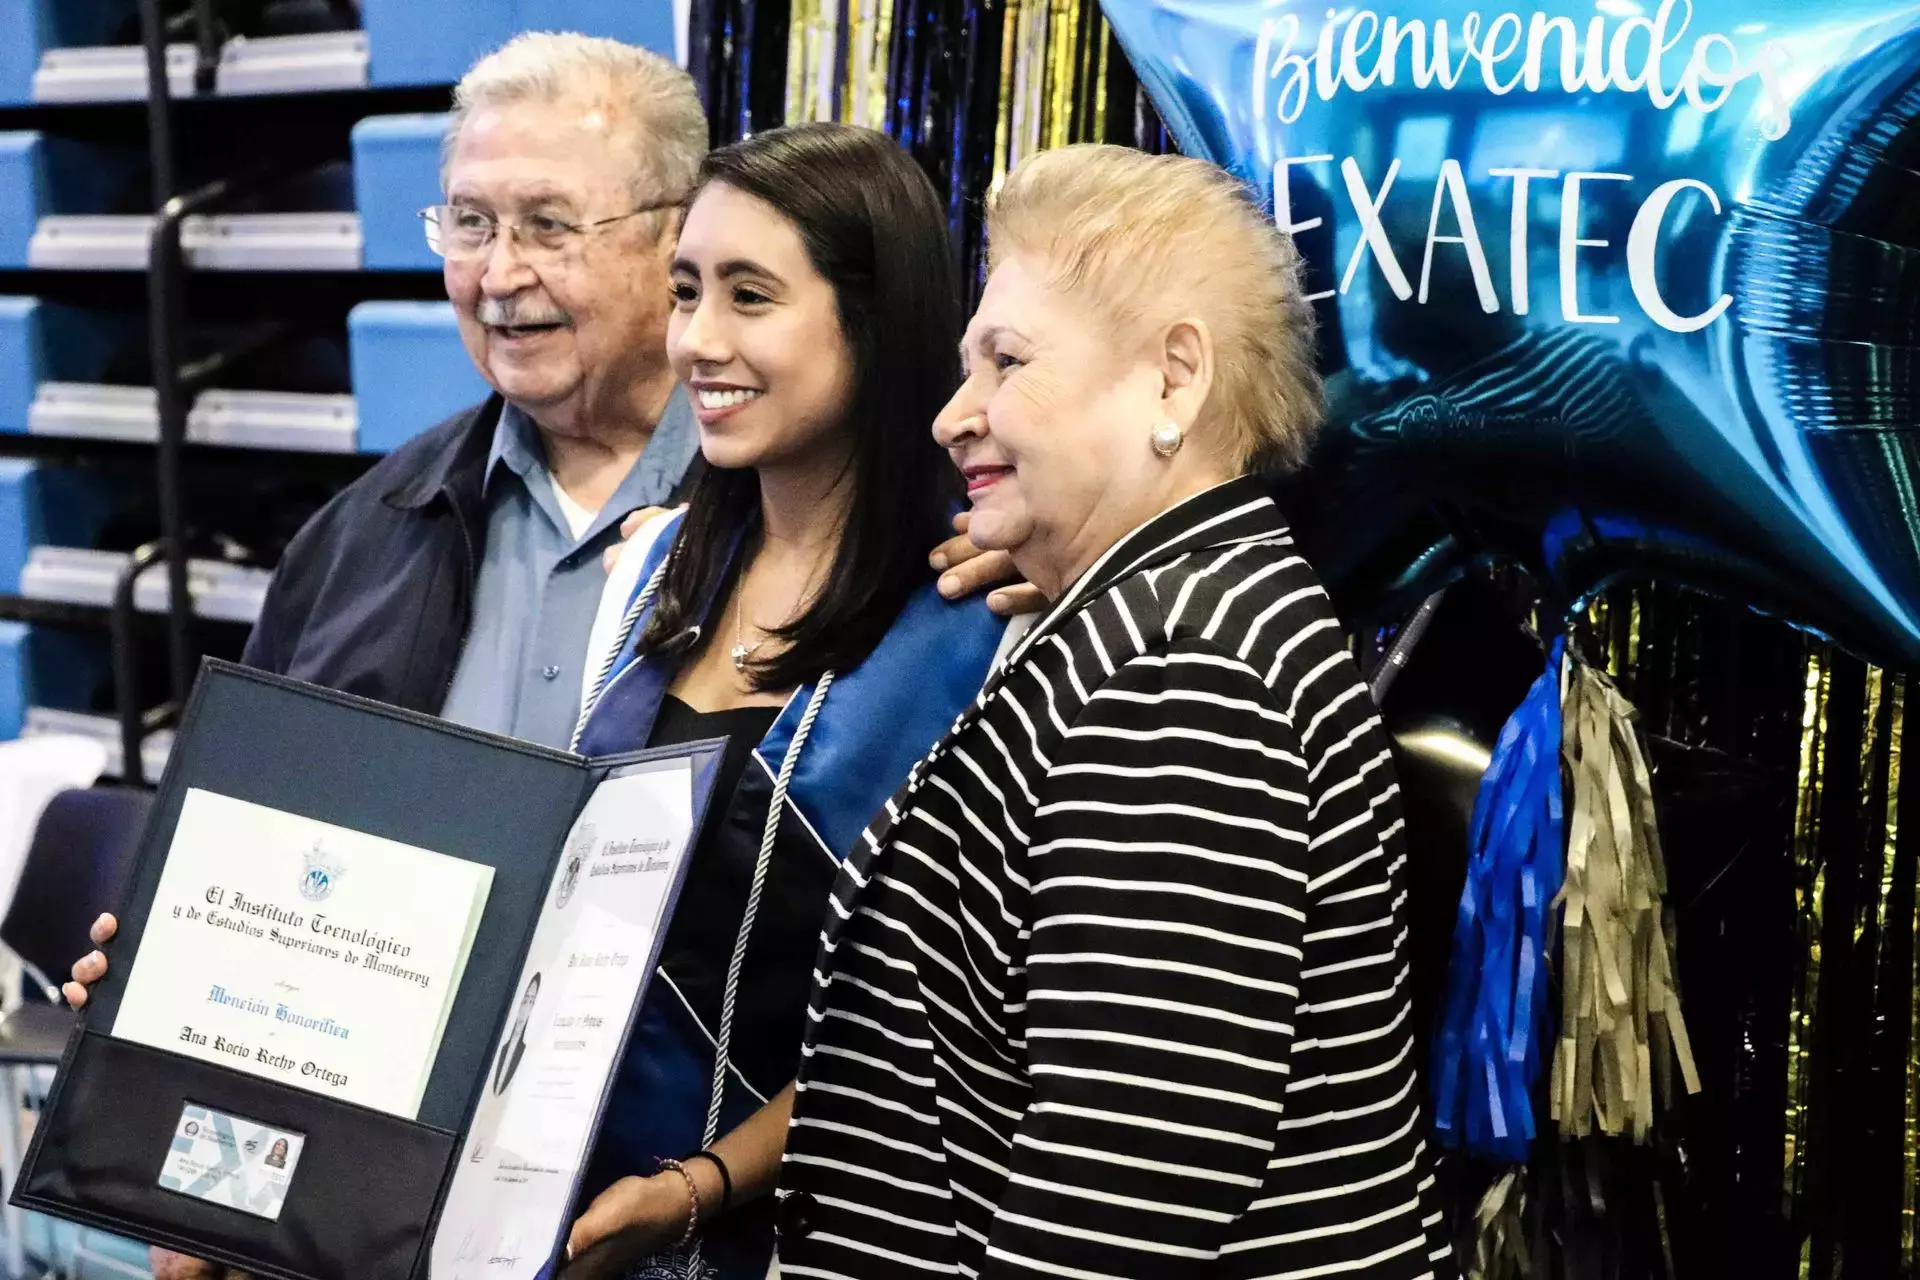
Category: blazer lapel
<point>1238,511</point>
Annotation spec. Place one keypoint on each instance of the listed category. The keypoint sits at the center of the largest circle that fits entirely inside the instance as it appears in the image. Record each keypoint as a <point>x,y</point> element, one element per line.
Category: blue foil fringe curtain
<point>1487,1055</point>
<point>945,63</point>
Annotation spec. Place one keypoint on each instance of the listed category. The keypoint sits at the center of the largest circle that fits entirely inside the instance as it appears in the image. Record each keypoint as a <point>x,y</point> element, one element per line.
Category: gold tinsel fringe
<point>1809,882</point>
<point>869,37</point>
<point>1910,1129</point>
<point>1500,1230</point>
<point>1621,1024</point>
<point>812,33</point>
<point>1051,90</point>
<point>1053,80</point>
<point>1062,72</point>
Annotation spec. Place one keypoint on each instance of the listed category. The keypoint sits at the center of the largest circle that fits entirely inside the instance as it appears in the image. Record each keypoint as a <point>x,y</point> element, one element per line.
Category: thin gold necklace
<point>742,651</point>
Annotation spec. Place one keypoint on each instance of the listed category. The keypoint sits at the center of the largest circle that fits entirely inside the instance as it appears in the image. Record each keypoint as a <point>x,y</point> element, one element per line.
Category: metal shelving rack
<point>185,235</point>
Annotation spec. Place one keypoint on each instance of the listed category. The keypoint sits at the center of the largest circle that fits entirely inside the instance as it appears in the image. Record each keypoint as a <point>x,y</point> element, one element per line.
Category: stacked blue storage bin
<point>40,175</point>
<point>46,342</point>
<point>409,370</point>
<point>45,667</point>
<point>46,505</point>
<point>32,27</point>
<point>396,173</point>
<point>435,41</point>
<point>432,41</point>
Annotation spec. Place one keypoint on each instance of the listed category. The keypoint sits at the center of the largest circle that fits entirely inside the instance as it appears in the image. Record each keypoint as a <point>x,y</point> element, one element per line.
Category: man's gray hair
<point>663,114</point>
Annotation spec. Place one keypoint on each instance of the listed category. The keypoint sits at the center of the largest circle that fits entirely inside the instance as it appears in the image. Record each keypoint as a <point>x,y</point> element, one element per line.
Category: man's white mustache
<point>507,315</point>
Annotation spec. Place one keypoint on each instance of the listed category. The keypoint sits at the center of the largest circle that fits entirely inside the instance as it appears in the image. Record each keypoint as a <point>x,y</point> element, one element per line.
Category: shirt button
<point>794,1218</point>
<point>550,672</point>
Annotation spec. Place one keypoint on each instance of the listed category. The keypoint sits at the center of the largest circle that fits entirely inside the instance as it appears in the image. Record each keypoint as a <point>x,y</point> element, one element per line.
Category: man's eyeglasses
<point>459,232</point>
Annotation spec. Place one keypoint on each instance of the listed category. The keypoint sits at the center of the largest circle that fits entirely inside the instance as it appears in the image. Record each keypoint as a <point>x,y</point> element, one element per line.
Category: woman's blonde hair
<point>1148,239</point>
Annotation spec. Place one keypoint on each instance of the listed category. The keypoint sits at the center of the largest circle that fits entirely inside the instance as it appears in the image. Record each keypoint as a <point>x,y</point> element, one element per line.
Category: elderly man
<point>460,575</point>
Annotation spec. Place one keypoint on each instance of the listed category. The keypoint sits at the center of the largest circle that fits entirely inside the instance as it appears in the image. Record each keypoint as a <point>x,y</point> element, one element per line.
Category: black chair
<point>82,854</point>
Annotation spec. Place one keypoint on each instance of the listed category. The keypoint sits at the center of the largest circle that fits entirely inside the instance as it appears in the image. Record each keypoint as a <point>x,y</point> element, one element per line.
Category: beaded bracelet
<point>726,1179</point>
<point>693,1201</point>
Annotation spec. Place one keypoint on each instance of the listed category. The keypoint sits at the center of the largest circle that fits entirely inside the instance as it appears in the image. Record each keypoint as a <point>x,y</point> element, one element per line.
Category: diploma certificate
<point>305,952</point>
<point>592,953</point>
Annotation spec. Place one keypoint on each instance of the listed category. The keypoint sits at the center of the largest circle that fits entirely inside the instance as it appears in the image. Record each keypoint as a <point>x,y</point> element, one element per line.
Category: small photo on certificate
<point>514,1047</point>
<point>304,952</point>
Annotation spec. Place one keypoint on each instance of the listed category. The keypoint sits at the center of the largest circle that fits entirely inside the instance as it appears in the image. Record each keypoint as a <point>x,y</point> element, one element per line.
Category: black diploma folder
<point>369,1187</point>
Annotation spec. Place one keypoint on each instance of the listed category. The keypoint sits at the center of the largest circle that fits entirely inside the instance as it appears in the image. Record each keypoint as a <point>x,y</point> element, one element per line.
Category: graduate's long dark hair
<point>874,228</point>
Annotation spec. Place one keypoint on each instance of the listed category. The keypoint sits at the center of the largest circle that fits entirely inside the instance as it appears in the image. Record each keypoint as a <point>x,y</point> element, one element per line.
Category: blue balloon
<point>1607,288</point>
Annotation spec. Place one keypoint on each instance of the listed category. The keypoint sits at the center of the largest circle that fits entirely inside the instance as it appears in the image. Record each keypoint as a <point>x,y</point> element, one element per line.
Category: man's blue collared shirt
<point>539,586</point>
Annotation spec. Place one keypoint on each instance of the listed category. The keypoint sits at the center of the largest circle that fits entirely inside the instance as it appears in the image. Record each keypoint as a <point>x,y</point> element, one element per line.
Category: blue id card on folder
<point>230,1161</point>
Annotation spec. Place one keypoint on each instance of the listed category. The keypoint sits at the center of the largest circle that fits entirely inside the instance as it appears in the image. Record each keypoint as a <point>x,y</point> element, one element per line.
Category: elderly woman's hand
<point>965,569</point>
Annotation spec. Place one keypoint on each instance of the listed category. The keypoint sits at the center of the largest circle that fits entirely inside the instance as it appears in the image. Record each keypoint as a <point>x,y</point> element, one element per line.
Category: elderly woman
<point>1115,986</point>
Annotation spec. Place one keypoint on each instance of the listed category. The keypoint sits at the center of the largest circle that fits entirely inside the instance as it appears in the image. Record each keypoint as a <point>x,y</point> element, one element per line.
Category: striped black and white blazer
<point>1116,985</point>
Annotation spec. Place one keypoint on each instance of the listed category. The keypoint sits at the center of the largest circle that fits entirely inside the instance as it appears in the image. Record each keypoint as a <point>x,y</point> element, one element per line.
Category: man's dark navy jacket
<point>374,595</point>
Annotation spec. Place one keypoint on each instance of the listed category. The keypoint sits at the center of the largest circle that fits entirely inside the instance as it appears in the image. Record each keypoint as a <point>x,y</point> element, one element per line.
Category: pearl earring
<point>1167,439</point>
